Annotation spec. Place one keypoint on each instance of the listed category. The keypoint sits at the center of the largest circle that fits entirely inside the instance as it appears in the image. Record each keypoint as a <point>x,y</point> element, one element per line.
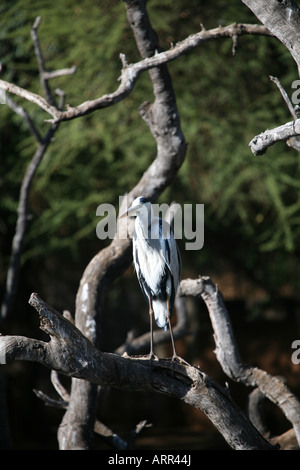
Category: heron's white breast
<point>151,261</point>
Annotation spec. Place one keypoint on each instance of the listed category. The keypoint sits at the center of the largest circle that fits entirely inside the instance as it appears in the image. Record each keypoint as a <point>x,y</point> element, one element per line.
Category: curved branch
<point>228,355</point>
<point>22,221</point>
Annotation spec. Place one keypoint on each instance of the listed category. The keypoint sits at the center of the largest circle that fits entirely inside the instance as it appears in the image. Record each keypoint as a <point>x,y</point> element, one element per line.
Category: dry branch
<point>228,355</point>
<point>260,143</point>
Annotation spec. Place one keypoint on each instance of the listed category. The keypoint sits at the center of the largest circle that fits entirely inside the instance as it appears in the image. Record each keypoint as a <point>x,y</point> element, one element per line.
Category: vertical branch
<point>163,120</point>
<point>41,63</point>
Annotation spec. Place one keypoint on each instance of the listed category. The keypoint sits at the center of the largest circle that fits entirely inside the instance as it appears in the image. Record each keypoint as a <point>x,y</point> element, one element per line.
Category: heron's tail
<point>160,313</point>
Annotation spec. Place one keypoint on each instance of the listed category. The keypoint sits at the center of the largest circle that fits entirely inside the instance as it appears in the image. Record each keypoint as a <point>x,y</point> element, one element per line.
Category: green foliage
<point>223,100</point>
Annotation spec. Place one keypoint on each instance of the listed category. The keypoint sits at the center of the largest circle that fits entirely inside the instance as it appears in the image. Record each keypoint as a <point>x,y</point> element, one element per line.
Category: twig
<point>50,401</point>
<point>18,109</point>
<point>59,73</point>
<point>284,96</point>
<point>59,387</point>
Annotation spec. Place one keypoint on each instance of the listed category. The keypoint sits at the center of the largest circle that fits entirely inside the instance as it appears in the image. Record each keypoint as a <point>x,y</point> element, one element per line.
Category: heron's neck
<point>143,221</point>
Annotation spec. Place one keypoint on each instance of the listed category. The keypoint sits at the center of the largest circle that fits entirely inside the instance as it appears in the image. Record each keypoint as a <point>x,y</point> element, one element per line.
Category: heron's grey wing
<point>164,242</point>
<point>145,288</point>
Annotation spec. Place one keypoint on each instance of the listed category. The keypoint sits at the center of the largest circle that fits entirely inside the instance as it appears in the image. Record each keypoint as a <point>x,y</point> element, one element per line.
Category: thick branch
<point>72,354</point>
<point>260,143</point>
<point>113,260</point>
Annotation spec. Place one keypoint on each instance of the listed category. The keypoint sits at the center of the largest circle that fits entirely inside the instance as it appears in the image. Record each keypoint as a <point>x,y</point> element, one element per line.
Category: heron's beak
<point>129,211</point>
<point>126,213</point>
<point>123,215</point>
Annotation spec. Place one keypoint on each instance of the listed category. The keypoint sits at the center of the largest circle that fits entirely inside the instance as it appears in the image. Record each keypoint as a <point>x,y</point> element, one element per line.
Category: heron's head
<point>141,205</point>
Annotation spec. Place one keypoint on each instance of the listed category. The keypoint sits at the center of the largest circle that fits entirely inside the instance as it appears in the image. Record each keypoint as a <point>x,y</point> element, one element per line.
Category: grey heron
<point>157,264</point>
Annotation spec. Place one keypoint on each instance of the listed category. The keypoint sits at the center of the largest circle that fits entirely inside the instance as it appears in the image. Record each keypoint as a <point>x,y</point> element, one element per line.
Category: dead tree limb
<point>260,143</point>
<point>164,123</point>
<point>228,355</point>
<point>72,354</point>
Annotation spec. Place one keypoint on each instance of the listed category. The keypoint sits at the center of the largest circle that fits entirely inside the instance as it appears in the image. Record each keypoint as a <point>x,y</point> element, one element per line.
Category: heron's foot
<point>152,358</point>
<point>175,357</point>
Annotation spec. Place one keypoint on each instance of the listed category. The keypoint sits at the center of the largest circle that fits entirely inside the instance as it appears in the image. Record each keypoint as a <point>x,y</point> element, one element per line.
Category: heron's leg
<point>151,328</point>
<point>175,356</point>
<point>170,328</point>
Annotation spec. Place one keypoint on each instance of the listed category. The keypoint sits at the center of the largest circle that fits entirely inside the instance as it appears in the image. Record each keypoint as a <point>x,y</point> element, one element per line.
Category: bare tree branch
<point>287,132</point>
<point>228,355</point>
<point>282,18</point>
<point>59,73</point>
<point>260,143</point>
<point>115,441</point>
<point>40,60</point>
<point>256,401</point>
